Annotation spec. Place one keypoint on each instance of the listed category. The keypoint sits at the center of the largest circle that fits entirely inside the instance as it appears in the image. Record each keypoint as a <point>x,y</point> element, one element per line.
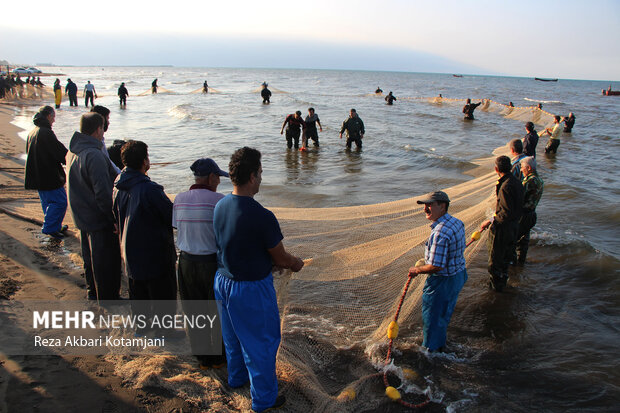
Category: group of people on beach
<point>12,86</point>
<point>230,245</point>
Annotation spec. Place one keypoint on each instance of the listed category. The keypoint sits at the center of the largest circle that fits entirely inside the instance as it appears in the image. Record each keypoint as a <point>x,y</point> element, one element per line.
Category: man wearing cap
<point>504,224</point>
<point>143,214</point>
<point>294,124</point>
<point>192,216</point>
<point>445,266</point>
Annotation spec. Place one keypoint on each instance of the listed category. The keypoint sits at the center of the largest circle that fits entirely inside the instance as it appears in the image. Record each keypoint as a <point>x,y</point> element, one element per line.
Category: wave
<point>440,160</point>
<point>543,101</point>
<point>186,111</point>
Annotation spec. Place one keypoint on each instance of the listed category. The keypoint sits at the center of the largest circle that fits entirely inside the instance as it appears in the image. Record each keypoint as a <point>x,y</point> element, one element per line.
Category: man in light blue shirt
<point>445,266</point>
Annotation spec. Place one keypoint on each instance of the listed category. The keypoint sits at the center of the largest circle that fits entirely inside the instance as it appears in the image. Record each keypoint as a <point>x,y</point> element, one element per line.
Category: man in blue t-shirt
<point>249,244</point>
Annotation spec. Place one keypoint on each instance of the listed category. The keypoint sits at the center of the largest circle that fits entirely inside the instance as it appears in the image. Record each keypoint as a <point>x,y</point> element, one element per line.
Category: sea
<point>551,341</point>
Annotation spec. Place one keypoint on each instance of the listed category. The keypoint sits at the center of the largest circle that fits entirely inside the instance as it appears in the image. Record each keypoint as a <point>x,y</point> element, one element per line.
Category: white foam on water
<point>185,111</point>
<point>457,405</point>
<point>543,101</point>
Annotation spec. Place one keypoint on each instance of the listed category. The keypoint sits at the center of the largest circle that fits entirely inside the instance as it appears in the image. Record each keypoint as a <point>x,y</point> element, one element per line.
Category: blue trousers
<point>54,204</point>
<point>438,302</point>
<point>251,332</point>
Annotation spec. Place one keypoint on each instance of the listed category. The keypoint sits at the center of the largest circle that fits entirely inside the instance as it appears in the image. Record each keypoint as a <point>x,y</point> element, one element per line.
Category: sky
<point>546,38</point>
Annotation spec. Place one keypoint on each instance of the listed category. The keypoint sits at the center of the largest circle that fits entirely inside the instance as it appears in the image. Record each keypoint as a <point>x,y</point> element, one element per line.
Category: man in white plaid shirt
<point>445,266</point>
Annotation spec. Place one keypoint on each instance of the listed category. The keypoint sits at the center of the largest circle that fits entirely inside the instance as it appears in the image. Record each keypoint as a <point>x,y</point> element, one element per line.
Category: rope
<point>391,392</point>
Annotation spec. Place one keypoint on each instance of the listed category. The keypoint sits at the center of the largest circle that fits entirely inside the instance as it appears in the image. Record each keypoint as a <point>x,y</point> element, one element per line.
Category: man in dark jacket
<point>533,190</point>
<point>122,94</point>
<point>44,171</point>
<point>90,184</point>
<point>355,129</point>
<point>71,90</point>
<point>504,224</point>
<point>469,108</point>
<point>265,94</point>
<point>530,140</point>
<point>390,98</point>
<point>569,122</point>
<point>143,214</point>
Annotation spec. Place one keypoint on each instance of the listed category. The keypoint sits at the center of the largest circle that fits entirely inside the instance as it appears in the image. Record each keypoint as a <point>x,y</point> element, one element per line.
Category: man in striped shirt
<point>192,216</point>
<point>445,266</point>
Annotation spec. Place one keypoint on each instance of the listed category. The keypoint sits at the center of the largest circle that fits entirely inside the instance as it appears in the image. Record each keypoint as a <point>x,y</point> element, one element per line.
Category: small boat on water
<point>545,80</point>
<point>609,92</point>
<point>457,75</point>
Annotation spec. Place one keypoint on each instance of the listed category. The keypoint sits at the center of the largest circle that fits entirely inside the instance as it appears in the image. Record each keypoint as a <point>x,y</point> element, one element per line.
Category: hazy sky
<point>545,38</point>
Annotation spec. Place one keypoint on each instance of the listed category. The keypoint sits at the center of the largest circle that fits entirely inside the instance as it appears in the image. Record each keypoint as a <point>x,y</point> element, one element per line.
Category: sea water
<point>550,343</point>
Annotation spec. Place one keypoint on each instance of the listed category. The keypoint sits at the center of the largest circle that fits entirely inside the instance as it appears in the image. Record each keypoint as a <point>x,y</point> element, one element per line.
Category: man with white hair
<point>533,188</point>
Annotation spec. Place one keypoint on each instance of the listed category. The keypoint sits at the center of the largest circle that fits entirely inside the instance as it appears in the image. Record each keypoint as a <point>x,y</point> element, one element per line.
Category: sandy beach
<point>33,267</point>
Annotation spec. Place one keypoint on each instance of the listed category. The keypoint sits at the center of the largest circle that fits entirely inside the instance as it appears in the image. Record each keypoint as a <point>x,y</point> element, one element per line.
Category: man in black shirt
<point>469,108</point>
<point>530,140</point>
<point>569,122</point>
<point>505,223</point>
<point>265,94</point>
<point>310,132</point>
<point>71,89</point>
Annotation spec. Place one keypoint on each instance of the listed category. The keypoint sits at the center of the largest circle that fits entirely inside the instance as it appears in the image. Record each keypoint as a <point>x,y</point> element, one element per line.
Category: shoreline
<point>35,267</point>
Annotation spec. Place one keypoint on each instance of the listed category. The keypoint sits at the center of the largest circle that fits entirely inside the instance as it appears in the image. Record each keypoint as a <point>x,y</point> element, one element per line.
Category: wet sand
<point>34,267</point>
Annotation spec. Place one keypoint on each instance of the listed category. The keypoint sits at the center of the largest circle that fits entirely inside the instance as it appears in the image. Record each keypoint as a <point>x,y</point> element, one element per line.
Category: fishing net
<point>28,92</point>
<point>341,303</point>
<point>335,312</point>
<point>201,90</point>
<point>160,90</point>
<point>522,113</point>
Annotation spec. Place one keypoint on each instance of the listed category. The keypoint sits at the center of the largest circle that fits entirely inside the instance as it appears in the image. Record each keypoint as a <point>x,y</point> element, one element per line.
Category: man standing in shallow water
<point>504,224</point>
<point>355,129</point>
<point>469,108</point>
<point>533,190</point>
<point>554,135</point>
<point>294,124</point>
<point>89,94</point>
<point>445,266</point>
<point>310,132</point>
